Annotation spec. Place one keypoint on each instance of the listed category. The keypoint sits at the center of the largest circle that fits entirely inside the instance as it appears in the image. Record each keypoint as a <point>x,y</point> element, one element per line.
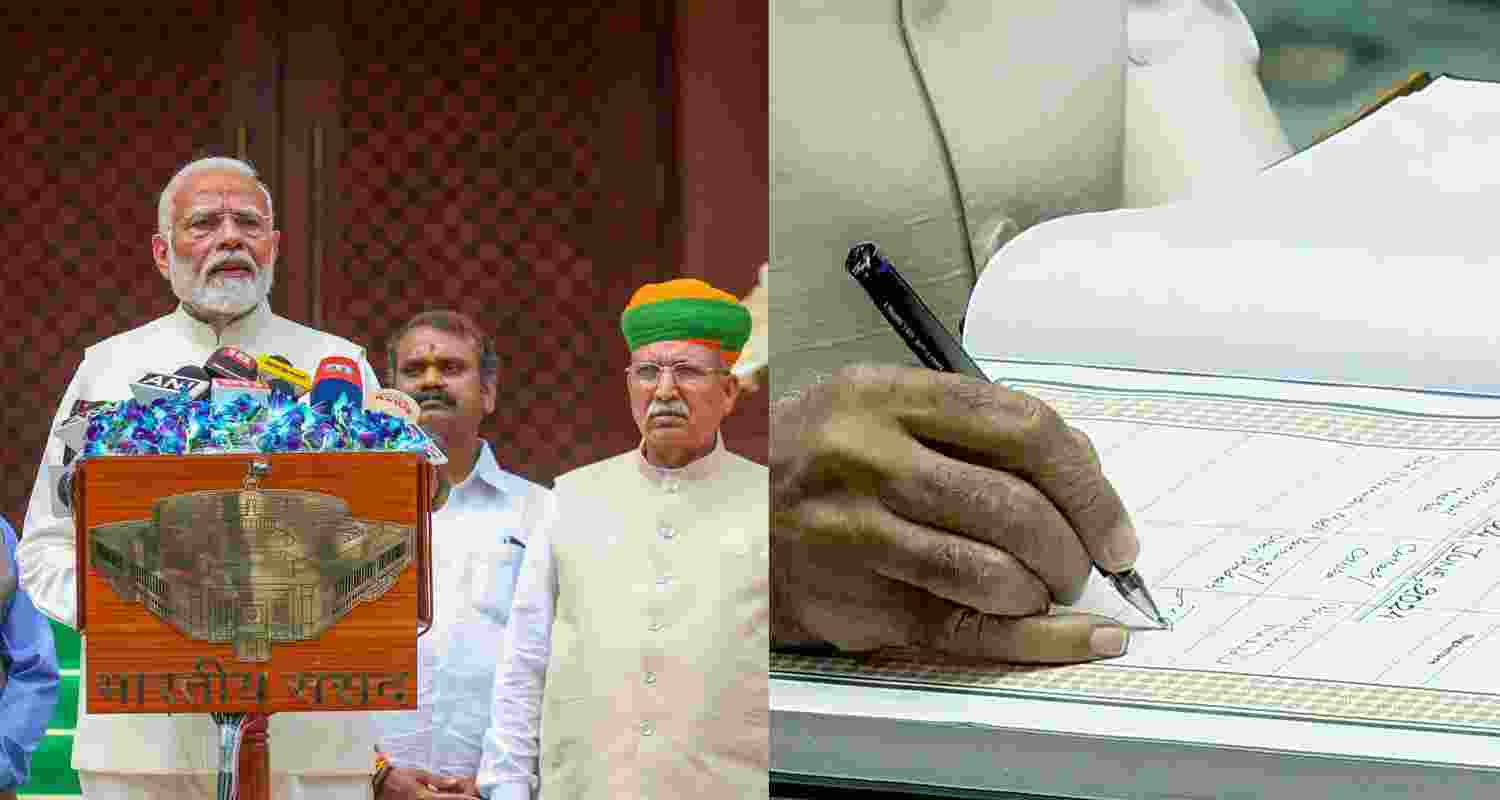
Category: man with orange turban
<point>635,660</point>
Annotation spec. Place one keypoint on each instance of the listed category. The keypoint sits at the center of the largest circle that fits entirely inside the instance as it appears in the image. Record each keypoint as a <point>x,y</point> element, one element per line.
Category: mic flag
<point>157,385</point>
<point>71,430</point>
<point>232,363</point>
<point>273,368</point>
<point>394,402</point>
<point>337,376</point>
<point>399,404</point>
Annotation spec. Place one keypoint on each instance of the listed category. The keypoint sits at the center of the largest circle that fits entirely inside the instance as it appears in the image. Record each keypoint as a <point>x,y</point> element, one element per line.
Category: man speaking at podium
<point>216,245</point>
<point>635,658</point>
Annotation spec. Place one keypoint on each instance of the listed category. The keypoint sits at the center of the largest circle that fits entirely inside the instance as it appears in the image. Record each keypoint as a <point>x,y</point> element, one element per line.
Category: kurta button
<point>655,626</point>
<point>651,679</point>
<point>667,531</point>
<point>663,581</point>
<point>647,729</point>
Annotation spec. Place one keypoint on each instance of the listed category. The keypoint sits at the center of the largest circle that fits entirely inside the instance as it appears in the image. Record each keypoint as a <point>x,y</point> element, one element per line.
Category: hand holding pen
<point>925,335</point>
<point>916,508</point>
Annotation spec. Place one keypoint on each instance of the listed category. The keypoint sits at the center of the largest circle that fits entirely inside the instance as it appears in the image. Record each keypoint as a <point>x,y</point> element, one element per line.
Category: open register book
<point>1295,386</point>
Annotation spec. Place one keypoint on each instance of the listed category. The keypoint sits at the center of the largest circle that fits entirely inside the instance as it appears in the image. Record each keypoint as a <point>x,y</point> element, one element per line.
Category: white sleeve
<point>509,767</point>
<point>1161,30</point>
<point>1196,115</point>
<point>47,556</point>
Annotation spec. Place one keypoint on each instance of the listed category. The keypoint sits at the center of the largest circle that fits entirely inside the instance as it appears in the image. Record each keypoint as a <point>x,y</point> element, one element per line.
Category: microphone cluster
<point>236,402</point>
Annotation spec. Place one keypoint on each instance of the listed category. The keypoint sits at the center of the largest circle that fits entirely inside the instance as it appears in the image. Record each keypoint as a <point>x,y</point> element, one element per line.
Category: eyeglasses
<point>251,224</point>
<point>648,373</point>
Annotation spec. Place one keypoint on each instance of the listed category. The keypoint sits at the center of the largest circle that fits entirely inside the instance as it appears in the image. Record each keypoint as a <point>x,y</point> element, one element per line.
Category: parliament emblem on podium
<point>251,567</point>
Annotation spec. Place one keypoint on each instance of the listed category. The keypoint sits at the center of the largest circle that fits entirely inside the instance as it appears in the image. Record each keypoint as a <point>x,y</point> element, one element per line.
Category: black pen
<point>937,349</point>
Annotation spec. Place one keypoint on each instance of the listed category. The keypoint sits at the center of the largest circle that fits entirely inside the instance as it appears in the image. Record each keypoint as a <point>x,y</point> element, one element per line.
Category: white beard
<point>219,295</point>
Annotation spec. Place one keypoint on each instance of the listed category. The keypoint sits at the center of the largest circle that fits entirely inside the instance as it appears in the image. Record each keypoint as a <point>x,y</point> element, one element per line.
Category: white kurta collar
<point>693,470</point>
<point>240,333</point>
<point>486,470</point>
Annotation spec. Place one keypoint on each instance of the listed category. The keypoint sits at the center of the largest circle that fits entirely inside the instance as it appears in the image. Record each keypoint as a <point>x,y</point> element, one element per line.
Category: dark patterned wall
<point>95,117</point>
<point>471,179</point>
<point>720,133</point>
<point>91,127</point>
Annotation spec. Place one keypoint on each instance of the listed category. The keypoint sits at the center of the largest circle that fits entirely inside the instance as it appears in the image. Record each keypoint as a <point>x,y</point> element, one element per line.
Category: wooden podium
<point>253,583</point>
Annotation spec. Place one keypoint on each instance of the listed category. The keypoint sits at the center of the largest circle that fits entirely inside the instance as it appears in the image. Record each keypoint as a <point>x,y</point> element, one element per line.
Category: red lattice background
<point>470,181</point>
<point>90,132</point>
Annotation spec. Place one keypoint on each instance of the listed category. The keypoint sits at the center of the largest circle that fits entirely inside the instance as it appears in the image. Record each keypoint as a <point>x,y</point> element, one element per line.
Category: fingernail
<point>1109,640</point>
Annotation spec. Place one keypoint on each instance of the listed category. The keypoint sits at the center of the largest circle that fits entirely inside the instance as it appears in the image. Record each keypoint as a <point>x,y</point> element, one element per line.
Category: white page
<point>1308,541</point>
<point>1284,524</point>
<point>1286,527</point>
<point>1381,242</point>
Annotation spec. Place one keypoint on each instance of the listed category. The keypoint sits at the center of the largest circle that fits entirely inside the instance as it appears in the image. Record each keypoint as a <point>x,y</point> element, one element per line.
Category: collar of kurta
<point>486,470</point>
<point>694,470</point>
<point>240,333</point>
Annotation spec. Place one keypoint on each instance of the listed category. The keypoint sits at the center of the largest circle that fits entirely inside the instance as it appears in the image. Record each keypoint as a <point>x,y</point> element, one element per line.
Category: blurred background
<point>530,164</point>
<point>1321,60</point>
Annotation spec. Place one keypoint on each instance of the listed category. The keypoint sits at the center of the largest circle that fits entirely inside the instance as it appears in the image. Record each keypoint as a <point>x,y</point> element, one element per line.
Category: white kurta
<point>479,539</point>
<point>941,129</point>
<point>331,744</point>
<point>635,662</point>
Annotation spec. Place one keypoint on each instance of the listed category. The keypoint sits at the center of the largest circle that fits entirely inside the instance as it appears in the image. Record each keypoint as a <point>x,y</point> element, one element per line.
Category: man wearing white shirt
<point>216,246</point>
<point>450,368</point>
<point>635,660</point>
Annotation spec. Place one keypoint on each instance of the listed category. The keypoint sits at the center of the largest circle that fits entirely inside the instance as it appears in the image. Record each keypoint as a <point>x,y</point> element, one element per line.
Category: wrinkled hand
<point>917,508</point>
<point>406,783</point>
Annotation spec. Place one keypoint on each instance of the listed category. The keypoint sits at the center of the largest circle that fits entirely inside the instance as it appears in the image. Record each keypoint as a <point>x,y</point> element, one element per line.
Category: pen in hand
<point>936,348</point>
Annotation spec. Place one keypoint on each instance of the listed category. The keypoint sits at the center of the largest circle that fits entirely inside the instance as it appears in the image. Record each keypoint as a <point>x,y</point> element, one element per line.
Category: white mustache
<point>674,408</point>
<point>230,257</point>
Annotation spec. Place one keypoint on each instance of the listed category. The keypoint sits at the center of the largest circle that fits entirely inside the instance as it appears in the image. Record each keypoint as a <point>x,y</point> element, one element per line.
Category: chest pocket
<point>493,581</point>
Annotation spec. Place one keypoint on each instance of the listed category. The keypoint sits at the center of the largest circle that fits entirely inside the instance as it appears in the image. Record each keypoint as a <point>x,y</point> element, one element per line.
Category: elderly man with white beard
<point>216,246</point>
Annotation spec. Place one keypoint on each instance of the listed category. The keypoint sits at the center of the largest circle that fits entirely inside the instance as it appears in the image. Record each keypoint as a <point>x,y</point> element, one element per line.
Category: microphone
<point>399,404</point>
<point>73,430</point>
<point>60,479</point>
<point>156,385</point>
<point>278,368</point>
<point>394,402</point>
<point>227,391</point>
<point>337,376</point>
<point>281,392</point>
<point>232,363</point>
<point>195,372</point>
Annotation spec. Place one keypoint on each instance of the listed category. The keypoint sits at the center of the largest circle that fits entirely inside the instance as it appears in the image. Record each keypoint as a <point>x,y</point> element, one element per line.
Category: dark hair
<point>450,322</point>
